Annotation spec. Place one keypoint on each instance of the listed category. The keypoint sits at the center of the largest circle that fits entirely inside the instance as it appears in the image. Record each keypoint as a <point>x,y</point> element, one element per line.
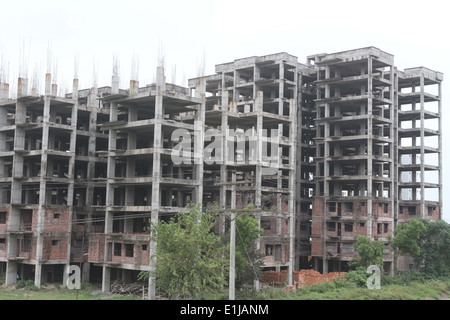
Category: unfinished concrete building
<point>48,166</point>
<point>370,167</point>
<point>340,146</point>
<point>354,153</point>
<point>419,155</point>
<point>143,183</point>
<point>252,102</point>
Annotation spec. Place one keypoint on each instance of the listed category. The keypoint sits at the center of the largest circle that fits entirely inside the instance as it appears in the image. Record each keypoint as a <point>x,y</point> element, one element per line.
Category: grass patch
<point>415,290</point>
<point>55,292</point>
<point>396,288</point>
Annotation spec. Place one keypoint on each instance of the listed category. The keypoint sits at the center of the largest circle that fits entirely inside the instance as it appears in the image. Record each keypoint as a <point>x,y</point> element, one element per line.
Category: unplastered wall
<point>56,220</point>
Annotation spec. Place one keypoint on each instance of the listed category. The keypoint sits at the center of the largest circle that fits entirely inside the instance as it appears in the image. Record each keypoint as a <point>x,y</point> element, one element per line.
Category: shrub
<point>357,277</point>
<point>27,284</point>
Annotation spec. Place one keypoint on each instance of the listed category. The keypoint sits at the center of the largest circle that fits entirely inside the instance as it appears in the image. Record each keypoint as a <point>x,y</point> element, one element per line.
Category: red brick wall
<point>96,247</point>
<point>284,226</point>
<point>317,226</point>
<point>269,224</point>
<point>378,209</point>
<point>54,224</point>
<point>318,207</point>
<point>140,257</point>
<point>54,248</point>
<point>435,214</point>
<point>284,206</point>
<point>271,258</point>
<point>316,247</point>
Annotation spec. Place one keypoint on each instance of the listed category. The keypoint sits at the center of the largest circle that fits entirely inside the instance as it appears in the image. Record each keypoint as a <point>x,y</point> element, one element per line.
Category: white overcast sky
<point>217,31</point>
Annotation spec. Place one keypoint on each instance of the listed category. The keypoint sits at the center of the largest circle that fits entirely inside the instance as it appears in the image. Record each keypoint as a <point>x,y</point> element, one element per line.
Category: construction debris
<point>128,289</point>
<point>300,278</point>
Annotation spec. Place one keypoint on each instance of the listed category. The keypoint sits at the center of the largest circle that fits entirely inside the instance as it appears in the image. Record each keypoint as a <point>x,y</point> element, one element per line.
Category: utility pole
<point>231,286</point>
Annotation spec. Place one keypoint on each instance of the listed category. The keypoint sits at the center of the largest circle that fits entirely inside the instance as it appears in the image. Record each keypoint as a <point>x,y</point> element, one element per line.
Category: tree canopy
<point>370,253</point>
<point>428,242</point>
<point>188,256</point>
<point>247,257</point>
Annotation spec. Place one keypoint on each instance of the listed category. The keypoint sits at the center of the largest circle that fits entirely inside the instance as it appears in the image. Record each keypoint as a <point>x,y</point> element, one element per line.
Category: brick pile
<point>300,278</point>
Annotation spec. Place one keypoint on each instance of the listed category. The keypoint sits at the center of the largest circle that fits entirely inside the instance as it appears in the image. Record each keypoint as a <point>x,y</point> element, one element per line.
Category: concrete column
<point>441,199</point>
<point>292,191</point>
<point>422,146</point>
<point>42,186</point>
<point>259,148</point>
<point>157,144</point>
<point>199,131</point>
<point>369,149</point>
<point>106,279</point>
<point>223,166</point>
<point>11,273</point>
<point>258,105</point>
<point>113,111</point>
<point>134,87</point>
<point>4,91</point>
<point>115,81</point>
<point>22,87</point>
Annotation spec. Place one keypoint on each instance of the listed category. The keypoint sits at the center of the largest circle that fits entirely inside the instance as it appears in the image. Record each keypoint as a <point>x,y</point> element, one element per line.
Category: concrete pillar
<point>440,148</point>
<point>157,144</point>
<point>292,191</point>
<point>422,146</point>
<point>134,86</point>
<point>11,273</point>
<point>199,124</point>
<point>42,185</point>
<point>369,150</point>
<point>115,81</point>
<point>106,279</point>
<point>258,108</point>
<point>4,91</point>
<point>22,87</point>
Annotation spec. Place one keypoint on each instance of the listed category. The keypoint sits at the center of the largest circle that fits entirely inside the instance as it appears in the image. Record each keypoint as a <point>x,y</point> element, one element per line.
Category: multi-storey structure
<point>48,166</point>
<point>341,146</point>
<point>143,182</point>
<point>370,166</point>
<point>252,102</point>
<point>355,152</point>
<point>420,147</point>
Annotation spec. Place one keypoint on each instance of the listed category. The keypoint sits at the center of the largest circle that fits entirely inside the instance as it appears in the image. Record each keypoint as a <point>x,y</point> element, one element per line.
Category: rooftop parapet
<point>244,62</point>
<point>351,55</point>
<point>426,72</point>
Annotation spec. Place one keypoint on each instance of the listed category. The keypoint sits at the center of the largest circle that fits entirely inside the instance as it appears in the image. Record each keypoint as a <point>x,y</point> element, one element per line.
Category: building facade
<point>342,145</point>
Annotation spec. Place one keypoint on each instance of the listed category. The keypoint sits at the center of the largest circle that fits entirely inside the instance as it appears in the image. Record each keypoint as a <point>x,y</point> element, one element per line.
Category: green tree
<point>369,252</point>
<point>406,237</point>
<point>188,256</point>
<point>434,243</point>
<point>428,242</point>
<point>248,257</point>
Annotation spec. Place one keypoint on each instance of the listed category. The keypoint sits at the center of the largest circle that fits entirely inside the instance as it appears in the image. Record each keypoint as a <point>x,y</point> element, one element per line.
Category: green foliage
<point>27,284</point>
<point>428,242</point>
<point>189,257</point>
<point>357,277</point>
<point>247,257</point>
<point>370,253</point>
<point>434,245</point>
<point>406,237</point>
<point>404,286</point>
